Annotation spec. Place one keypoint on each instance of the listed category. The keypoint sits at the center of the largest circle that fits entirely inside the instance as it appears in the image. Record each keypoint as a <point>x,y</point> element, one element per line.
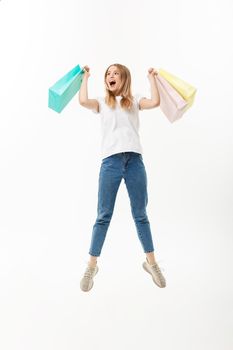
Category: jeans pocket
<point>107,160</point>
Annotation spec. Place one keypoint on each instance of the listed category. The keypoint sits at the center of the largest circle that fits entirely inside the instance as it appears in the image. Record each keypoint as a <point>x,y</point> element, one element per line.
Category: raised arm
<point>154,101</point>
<point>83,93</point>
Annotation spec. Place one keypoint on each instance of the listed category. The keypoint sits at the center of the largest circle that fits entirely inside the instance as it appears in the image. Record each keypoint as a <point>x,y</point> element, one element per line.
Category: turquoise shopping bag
<point>65,88</point>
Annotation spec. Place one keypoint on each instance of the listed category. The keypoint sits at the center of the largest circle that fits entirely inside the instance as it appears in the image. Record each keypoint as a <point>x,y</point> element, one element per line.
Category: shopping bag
<point>172,104</point>
<point>65,88</point>
<point>186,90</point>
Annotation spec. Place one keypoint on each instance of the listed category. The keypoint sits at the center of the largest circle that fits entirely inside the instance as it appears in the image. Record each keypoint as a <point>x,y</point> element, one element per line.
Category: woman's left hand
<point>152,72</point>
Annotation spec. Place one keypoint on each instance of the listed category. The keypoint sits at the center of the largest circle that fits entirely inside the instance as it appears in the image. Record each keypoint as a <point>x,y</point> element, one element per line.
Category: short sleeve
<point>99,100</point>
<point>138,97</point>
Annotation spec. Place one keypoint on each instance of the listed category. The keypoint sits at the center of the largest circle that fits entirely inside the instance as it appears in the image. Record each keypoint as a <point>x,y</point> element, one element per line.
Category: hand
<point>152,72</point>
<point>86,71</point>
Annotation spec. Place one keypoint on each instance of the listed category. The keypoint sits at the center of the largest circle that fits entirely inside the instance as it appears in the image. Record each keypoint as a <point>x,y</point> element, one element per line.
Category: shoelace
<point>158,265</point>
<point>89,272</point>
<point>157,269</point>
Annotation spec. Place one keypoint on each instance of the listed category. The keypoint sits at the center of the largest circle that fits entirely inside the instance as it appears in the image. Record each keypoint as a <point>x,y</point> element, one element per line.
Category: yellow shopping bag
<point>186,90</point>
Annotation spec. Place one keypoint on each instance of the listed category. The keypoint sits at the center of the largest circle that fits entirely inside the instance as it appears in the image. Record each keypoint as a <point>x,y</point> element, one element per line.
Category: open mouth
<point>112,83</point>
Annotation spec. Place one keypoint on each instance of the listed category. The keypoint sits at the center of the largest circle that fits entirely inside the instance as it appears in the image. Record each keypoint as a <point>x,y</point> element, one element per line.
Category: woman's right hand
<point>86,71</point>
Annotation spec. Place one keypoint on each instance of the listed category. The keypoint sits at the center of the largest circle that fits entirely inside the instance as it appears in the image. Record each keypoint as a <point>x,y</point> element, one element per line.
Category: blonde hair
<point>124,90</point>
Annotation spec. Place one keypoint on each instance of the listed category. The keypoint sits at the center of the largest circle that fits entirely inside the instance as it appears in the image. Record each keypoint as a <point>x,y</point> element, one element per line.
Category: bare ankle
<point>93,261</point>
<point>150,258</point>
<point>92,264</point>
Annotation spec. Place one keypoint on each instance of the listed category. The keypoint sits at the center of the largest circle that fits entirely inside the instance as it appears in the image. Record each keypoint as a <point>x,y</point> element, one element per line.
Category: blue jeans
<point>130,166</point>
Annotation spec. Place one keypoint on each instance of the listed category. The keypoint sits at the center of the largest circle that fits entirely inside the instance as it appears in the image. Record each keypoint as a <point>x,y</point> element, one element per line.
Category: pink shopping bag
<point>172,104</point>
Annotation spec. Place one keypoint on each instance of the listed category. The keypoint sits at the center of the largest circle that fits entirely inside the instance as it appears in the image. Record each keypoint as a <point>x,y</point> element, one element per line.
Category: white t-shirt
<point>119,127</point>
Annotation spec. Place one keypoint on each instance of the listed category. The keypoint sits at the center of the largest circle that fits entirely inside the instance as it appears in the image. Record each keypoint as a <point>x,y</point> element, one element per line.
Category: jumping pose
<point>121,158</point>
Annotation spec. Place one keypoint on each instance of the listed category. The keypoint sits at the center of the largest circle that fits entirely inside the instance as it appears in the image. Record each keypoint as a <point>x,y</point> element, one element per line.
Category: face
<point>113,79</point>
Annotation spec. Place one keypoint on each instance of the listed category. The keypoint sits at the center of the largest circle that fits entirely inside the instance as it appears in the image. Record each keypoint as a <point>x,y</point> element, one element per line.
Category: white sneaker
<point>156,273</point>
<point>87,281</point>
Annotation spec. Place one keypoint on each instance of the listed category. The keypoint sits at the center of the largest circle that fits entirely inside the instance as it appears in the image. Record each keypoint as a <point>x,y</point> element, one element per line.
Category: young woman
<point>121,158</point>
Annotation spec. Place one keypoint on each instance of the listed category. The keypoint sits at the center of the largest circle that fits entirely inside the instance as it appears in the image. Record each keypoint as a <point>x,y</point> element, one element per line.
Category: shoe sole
<point>91,284</point>
<point>145,268</point>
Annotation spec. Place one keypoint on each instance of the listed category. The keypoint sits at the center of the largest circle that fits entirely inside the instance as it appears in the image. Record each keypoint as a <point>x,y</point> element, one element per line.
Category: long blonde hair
<point>124,90</point>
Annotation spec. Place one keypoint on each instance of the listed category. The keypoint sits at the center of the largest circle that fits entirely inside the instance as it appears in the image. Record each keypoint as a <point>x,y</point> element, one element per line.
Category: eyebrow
<point>116,70</point>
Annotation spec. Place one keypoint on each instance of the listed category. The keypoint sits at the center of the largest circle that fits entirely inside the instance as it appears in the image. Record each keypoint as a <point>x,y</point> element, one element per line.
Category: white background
<point>49,165</point>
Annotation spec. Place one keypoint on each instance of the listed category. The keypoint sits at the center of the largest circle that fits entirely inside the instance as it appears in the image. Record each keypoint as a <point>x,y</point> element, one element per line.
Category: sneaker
<point>156,273</point>
<point>87,281</point>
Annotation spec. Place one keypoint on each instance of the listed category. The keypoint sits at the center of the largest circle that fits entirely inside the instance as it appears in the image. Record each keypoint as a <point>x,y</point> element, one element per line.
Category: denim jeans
<point>130,167</point>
